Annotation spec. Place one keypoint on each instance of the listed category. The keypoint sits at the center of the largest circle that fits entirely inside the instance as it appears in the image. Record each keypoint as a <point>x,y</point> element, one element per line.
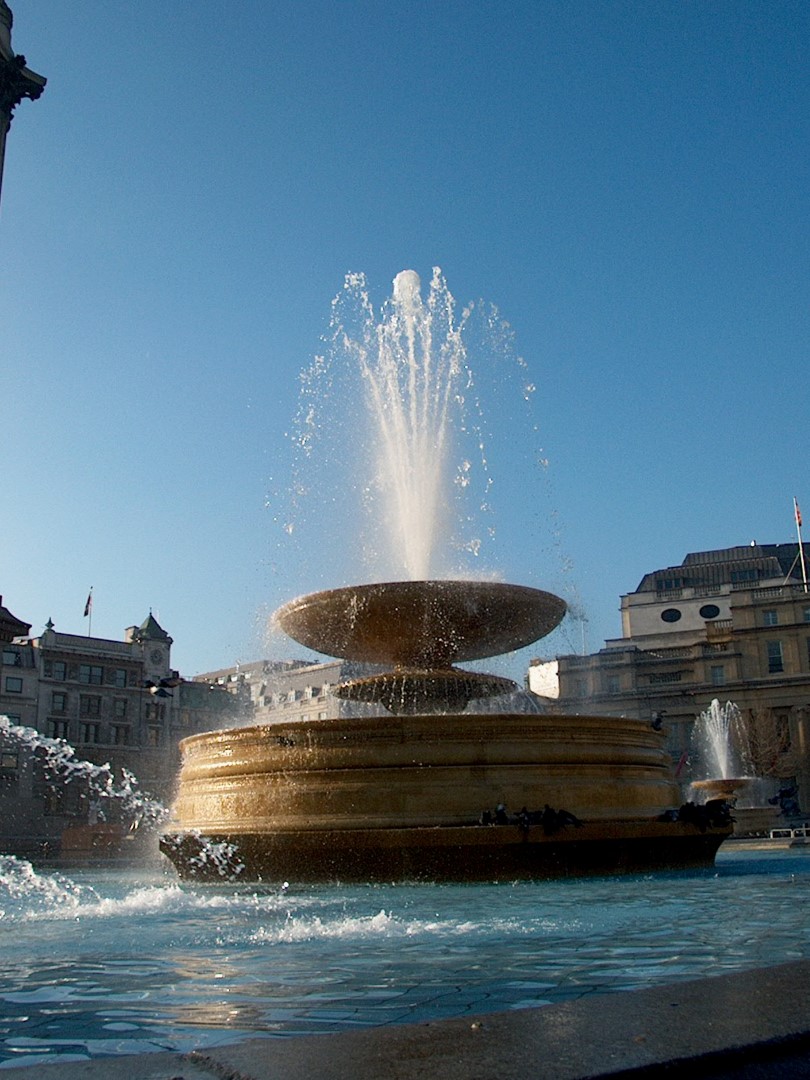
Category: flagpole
<point>798,516</point>
<point>88,611</point>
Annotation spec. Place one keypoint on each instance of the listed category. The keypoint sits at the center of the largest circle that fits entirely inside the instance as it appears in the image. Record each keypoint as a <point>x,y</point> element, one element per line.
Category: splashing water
<point>721,743</point>
<point>24,891</point>
<point>113,963</point>
<point>61,766</point>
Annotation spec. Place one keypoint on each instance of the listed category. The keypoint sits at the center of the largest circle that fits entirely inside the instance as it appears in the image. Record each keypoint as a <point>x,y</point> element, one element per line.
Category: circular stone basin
<point>422,624</point>
<point>440,690</point>
<point>721,787</point>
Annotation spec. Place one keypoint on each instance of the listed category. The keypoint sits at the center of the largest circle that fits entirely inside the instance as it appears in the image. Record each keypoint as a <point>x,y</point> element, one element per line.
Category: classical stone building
<point>114,702</point>
<point>732,624</point>
<point>288,691</point>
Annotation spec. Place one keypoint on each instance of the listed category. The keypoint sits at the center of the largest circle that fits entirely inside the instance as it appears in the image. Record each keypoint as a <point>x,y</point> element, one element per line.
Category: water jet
<point>724,767</point>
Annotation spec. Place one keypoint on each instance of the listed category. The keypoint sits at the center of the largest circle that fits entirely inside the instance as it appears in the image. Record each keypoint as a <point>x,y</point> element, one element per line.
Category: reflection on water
<point>102,963</point>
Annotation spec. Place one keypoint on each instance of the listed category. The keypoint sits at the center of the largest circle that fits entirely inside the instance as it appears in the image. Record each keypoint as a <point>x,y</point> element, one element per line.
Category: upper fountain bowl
<point>421,624</point>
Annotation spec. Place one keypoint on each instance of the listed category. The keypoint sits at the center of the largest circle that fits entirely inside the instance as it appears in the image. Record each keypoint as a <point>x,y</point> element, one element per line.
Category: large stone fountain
<point>427,788</point>
<point>400,796</point>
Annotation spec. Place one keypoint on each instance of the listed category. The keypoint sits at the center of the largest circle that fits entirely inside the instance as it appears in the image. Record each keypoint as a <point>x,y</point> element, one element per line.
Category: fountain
<point>428,789</point>
<point>724,767</point>
<point>723,760</point>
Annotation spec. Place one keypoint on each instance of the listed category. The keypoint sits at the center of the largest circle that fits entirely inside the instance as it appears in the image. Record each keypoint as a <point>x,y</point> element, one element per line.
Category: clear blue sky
<point>627,182</point>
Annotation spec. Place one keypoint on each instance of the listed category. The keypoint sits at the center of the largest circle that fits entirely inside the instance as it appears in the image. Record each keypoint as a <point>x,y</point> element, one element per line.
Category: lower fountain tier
<point>471,853</point>
<point>287,788</point>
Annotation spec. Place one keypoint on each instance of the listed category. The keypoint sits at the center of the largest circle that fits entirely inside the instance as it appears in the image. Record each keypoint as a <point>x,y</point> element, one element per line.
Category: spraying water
<point>61,766</point>
<point>391,438</point>
<point>410,381</point>
<point>720,741</point>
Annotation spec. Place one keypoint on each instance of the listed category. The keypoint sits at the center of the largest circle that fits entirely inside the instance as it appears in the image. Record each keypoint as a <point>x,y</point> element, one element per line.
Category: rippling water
<point>110,962</point>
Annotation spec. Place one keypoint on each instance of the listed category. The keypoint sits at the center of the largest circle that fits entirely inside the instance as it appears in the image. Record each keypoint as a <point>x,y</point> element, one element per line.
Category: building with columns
<point>732,624</point>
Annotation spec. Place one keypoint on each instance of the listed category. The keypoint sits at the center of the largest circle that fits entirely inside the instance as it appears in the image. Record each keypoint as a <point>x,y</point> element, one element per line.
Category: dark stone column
<point>16,80</point>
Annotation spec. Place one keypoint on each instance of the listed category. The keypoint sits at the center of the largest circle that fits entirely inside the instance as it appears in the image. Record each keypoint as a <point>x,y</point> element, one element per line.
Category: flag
<point>798,513</point>
<point>88,607</point>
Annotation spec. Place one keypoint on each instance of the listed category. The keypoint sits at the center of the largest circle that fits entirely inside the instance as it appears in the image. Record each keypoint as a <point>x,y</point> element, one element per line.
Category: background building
<point>289,691</point>
<point>732,624</point>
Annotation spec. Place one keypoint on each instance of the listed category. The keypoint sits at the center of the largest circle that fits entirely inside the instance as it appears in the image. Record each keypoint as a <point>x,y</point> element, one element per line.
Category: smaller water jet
<point>722,754</point>
<point>723,765</point>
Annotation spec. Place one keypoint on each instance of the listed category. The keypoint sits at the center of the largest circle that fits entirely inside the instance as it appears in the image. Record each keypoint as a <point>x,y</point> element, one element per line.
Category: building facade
<point>288,691</point>
<point>732,624</point>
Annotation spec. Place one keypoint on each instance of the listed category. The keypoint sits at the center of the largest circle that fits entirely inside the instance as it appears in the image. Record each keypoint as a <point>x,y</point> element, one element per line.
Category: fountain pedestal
<point>402,796</point>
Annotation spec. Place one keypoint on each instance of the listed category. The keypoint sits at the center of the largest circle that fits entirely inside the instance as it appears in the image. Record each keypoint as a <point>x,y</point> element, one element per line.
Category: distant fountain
<point>405,795</point>
<point>722,764</point>
<point>723,768</point>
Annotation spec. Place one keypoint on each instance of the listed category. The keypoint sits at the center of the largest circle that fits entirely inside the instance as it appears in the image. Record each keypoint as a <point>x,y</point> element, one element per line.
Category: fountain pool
<point>107,962</point>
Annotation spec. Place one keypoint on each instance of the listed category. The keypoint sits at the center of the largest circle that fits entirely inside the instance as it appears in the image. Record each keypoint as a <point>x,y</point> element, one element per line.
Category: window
<point>58,729</point>
<point>91,673</point>
<point>119,677</point>
<point>744,575</point>
<point>58,701</point>
<point>321,715</point>
<point>9,763</point>
<point>670,614</point>
<point>153,736</point>
<point>806,614</point>
<point>14,684</point>
<point>120,734</point>
<point>11,657</point>
<point>709,611</point>
<point>119,708</point>
<point>89,705</point>
<point>667,584</point>
<point>770,617</point>
<point>775,659</point>
<point>59,670</point>
<point>612,684</point>
<point>718,674</point>
<point>90,733</point>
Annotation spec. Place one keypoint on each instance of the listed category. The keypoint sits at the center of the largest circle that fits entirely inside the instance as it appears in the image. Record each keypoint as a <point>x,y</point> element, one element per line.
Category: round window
<point>670,614</point>
<point>709,611</point>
